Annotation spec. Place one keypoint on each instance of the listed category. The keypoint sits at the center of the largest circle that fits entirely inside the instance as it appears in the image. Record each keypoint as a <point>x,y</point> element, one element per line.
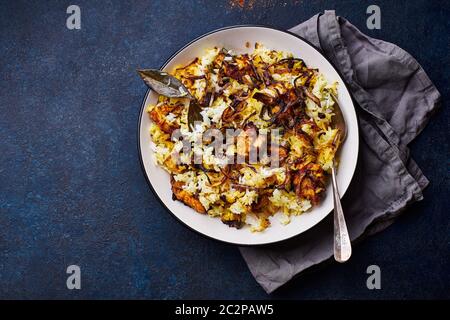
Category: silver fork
<point>342,244</point>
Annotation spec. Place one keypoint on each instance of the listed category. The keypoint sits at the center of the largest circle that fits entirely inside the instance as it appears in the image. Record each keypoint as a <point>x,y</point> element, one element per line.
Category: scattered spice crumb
<point>237,3</point>
<point>250,4</point>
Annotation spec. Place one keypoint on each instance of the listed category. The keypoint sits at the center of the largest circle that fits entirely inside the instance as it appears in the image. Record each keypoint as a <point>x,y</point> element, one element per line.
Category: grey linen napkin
<point>394,99</point>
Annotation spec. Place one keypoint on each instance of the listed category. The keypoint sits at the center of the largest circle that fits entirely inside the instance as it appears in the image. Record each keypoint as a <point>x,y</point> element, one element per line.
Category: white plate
<point>235,38</point>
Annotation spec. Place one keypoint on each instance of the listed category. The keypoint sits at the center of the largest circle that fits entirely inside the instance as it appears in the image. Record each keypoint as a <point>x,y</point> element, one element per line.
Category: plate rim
<point>142,109</point>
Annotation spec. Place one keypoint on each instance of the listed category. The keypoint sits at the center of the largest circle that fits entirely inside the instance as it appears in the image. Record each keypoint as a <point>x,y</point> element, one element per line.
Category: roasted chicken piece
<point>186,197</point>
<point>171,164</point>
<point>232,219</point>
<point>245,139</point>
<point>309,182</point>
<point>159,113</point>
<point>264,206</point>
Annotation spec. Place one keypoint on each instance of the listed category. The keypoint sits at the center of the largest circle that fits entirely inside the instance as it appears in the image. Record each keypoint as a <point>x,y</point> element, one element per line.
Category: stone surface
<point>72,191</point>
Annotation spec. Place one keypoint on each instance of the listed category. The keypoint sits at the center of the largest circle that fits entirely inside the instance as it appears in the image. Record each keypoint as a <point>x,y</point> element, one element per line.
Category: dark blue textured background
<point>72,191</point>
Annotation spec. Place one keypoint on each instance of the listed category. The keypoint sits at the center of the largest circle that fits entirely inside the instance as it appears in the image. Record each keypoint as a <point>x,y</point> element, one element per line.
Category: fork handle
<point>342,244</point>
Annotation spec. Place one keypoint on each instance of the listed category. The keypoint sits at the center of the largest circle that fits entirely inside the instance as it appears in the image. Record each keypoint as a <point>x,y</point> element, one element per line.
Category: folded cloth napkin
<point>394,99</point>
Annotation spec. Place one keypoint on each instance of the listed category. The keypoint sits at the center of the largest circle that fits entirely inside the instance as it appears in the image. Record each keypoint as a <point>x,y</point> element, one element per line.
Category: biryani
<point>264,91</point>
